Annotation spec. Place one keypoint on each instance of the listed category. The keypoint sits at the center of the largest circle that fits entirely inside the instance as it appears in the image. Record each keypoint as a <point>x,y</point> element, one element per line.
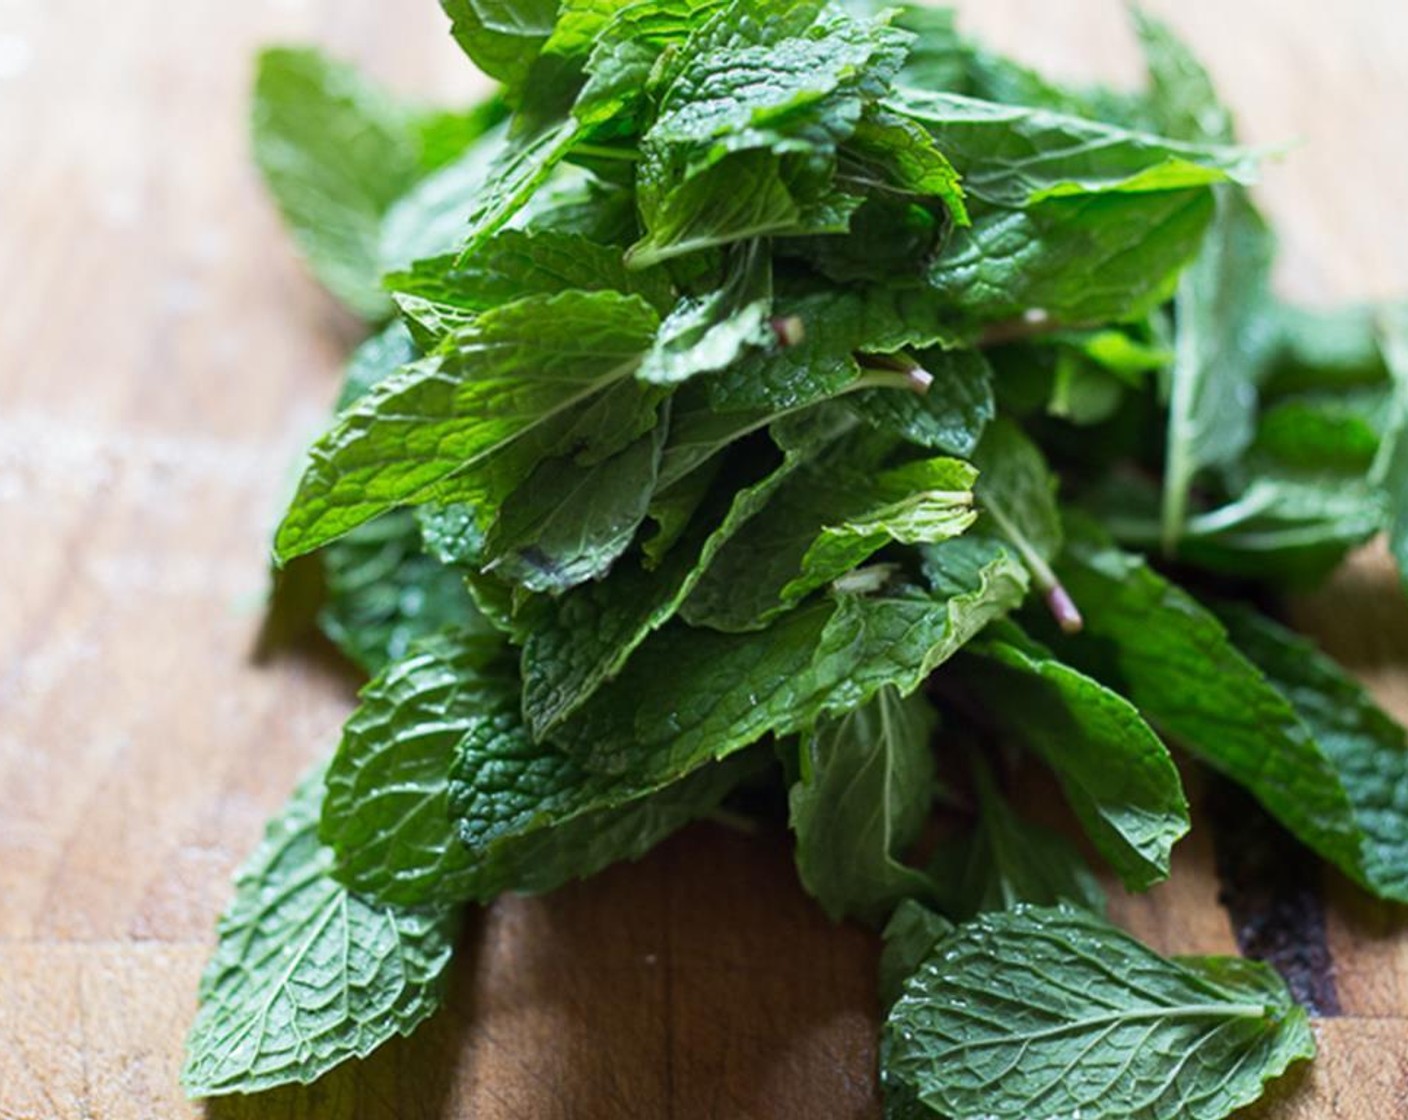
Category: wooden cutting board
<point>162,358</point>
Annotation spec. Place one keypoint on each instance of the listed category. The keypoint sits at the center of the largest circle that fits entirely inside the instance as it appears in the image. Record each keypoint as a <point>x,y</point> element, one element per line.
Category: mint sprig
<point>789,394</point>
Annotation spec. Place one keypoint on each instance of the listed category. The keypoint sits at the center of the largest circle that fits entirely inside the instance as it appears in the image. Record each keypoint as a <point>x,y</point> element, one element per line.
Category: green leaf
<point>625,51</point>
<point>1039,1013</point>
<point>307,975</point>
<point>1220,347</point>
<point>374,361</point>
<point>1015,156</point>
<point>837,325</point>
<point>383,592</point>
<point>1080,260</point>
<point>866,786</point>
<point>386,812</point>
<point>825,520</point>
<point>1006,861</point>
<point>1173,659</point>
<point>893,154</point>
<point>1390,470</point>
<point>708,332</point>
<point>532,818</point>
<point>437,793</point>
<point>520,170</point>
<point>1017,489</point>
<point>950,416</point>
<point>746,195</point>
<point>1366,747</point>
<point>782,78</point>
<point>689,695</point>
<point>336,152</point>
<point>585,638</point>
<point>1181,99</point>
<point>502,37</point>
<point>515,263</point>
<point>568,523</point>
<point>910,935</point>
<point>514,369</point>
<point>1117,776</point>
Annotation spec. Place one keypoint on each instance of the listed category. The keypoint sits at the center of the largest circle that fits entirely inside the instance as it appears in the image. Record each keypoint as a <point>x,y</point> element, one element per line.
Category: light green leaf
<point>514,369</point>
<point>866,786</point>
<point>307,975</point>
<point>336,152</point>
<point>1041,1014</point>
<point>516,263</point>
<point>1014,156</point>
<point>502,37</point>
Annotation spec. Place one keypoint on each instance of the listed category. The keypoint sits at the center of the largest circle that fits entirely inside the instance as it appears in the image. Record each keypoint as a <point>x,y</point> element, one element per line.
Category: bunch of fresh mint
<point>726,362</point>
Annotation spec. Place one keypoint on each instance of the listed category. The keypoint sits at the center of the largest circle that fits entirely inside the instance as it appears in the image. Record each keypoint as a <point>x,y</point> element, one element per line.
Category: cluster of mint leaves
<point>724,364</point>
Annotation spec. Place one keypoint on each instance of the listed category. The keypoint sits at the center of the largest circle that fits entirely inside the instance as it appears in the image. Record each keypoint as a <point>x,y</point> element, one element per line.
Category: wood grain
<point>162,358</point>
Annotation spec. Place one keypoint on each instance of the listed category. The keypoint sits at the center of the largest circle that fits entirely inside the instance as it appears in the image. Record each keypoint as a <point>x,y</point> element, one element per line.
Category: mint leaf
<point>1015,156</point>
<point>1006,861</point>
<point>568,523</point>
<point>336,152</point>
<point>1173,659</point>
<point>1219,348</point>
<point>374,361</point>
<point>910,936</point>
<point>1390,469</point>
<point>386,812</point>
<point>1366,747</point>
<point>689,695</point>
<point>307,975</point>
<point>1043,1013</point>
<point>383,592</point>
<point>950,416</point>
<point>531,818</point>
<point>709,332</point>
<point>502,37</point>
<point>513,369</point>
<point>516,263</point>
<point>585,638</point>
<point>825,520</point>
<point>438,795</point>
<point>1117,776</point>
<point>867,782</point>
<point>1078,260</point>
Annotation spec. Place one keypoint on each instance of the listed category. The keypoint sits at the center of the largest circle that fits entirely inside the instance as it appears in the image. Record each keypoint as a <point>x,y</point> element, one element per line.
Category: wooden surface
<point>163,356</point>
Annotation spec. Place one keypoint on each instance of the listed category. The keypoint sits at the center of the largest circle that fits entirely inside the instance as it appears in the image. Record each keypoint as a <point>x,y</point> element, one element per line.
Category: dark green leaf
<point>1116,774</point>
<point>866,785</point>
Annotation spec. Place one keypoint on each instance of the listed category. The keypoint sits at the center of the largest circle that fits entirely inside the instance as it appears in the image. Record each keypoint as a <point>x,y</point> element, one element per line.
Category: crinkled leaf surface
<point>307,974</point>
<point>689,695</point>
<point>1039,1013</point>
<point>515,368</point>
